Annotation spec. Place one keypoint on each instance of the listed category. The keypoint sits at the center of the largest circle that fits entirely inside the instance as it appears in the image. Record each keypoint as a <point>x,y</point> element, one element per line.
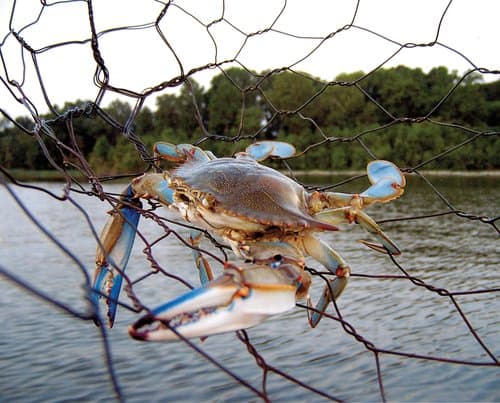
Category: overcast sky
<point>138,59</point>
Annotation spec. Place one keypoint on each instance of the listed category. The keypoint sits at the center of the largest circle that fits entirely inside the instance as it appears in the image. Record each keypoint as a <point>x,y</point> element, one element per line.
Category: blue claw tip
<point>165,192</point>
<point>113,297</point>
<point>264,149</point>
<point>196,292</point>
<point>380,170</point>
<point>387,181</point>
<point>166,150</point>
<point>118,257</point>
<point>98,283</point>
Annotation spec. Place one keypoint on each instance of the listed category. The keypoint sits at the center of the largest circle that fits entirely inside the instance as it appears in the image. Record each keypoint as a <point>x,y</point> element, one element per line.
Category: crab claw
<point>180,152</point>
<point>242,297</point>
<point>387,181</point>
<point>117,239</point>
<point>261,150</point>
<point>350,214</point>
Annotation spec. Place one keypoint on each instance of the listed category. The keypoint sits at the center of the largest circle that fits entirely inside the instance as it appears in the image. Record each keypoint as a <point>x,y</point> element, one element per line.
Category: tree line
<point>416,116</point>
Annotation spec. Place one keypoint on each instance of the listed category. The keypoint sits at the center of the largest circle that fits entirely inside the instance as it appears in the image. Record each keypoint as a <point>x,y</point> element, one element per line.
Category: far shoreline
<point>24,175</point>
<point>437,172</point>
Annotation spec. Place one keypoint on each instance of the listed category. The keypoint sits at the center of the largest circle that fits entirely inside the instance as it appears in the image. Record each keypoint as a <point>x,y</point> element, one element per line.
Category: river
<point>49,355</point>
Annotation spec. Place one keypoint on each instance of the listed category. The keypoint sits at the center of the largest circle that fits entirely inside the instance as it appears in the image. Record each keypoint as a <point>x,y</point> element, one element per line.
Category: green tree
<point>18,149</point>
<point>349,107</point>
<point>144,123</point>
<point>179,112</point>
<point>231,100</point>
<point>401,91</point>
<point>439,81</point>
<point>287,95</point>
<point>290,106</point>
<point>491,93</point>
<point>99,158</point>
<point>467,106</point>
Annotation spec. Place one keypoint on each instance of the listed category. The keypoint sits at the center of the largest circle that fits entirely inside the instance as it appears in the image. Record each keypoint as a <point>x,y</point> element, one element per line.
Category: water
<point>48,355</point>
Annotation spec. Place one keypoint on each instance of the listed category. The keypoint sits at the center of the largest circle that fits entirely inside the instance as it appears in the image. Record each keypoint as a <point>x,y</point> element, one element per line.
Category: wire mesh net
<point>441,293</point>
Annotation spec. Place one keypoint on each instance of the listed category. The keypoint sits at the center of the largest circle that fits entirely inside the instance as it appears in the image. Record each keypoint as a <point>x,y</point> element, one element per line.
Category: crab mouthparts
<point>150,323</point>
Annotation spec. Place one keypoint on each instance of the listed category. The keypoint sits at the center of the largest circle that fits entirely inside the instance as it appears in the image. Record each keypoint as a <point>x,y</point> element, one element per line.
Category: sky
<point>140,58</point>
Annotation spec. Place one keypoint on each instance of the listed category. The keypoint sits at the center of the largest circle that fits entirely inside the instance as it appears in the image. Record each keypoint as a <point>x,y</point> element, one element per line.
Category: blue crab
<point>266,217</point>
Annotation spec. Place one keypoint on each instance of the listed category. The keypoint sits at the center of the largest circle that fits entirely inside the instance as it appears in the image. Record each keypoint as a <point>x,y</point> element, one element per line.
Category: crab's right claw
<point>116,241</point>
<point>261,150</point>
<point>239,299</point>
<point>387,181</point>
<point>324,254</point>
<point>331,291</point>
<point>180,152</point>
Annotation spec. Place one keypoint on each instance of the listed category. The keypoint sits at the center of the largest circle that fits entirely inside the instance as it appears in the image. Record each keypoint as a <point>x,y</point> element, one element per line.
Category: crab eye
<point>278,259</point>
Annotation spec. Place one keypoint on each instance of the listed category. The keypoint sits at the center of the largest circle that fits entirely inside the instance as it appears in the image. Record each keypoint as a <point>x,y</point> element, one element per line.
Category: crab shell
<point>242,199</point>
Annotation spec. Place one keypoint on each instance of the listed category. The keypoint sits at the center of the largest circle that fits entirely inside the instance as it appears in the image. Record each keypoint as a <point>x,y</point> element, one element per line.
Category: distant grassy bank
<point>42,175</point>
<point>437,172</point>
<point>45,175</point>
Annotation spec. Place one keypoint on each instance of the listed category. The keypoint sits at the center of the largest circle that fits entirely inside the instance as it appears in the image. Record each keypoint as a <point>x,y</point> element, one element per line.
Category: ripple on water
<point>48,356</point>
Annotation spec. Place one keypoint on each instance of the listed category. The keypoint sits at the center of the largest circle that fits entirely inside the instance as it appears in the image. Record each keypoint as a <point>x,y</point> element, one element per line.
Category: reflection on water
<point>48,355</point>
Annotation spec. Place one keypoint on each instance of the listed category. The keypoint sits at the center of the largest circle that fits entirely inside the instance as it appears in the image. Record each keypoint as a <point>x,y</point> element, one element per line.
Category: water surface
<point>48,355</point>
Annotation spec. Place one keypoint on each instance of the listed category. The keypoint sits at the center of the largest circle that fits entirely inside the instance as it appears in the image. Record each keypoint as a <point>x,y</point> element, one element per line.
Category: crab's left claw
<point>388,182</point>
<point>261,150</point>
<point>116,239</point>
<point>242,297</point>
<point>180,152</point>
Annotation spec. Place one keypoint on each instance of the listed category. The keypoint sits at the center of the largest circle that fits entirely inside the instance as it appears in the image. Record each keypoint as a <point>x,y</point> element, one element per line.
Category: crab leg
<point>321,252</point>
<point>180,153</point>
<point>202,265</point>
<point>242,297</point>
<point>351,214</point>
<point>116,239</point>
<point>118,235</point>
<point>387,183</point>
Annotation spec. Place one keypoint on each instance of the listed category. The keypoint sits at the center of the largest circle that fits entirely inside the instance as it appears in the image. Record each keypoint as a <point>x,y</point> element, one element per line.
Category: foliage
<point>401,114</point>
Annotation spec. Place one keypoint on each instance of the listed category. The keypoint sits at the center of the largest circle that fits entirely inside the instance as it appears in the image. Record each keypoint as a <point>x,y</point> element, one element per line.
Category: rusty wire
<point>41,130</point>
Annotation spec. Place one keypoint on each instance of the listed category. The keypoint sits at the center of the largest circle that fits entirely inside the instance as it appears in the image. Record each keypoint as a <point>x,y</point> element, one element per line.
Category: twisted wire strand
<point>65,154</point>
